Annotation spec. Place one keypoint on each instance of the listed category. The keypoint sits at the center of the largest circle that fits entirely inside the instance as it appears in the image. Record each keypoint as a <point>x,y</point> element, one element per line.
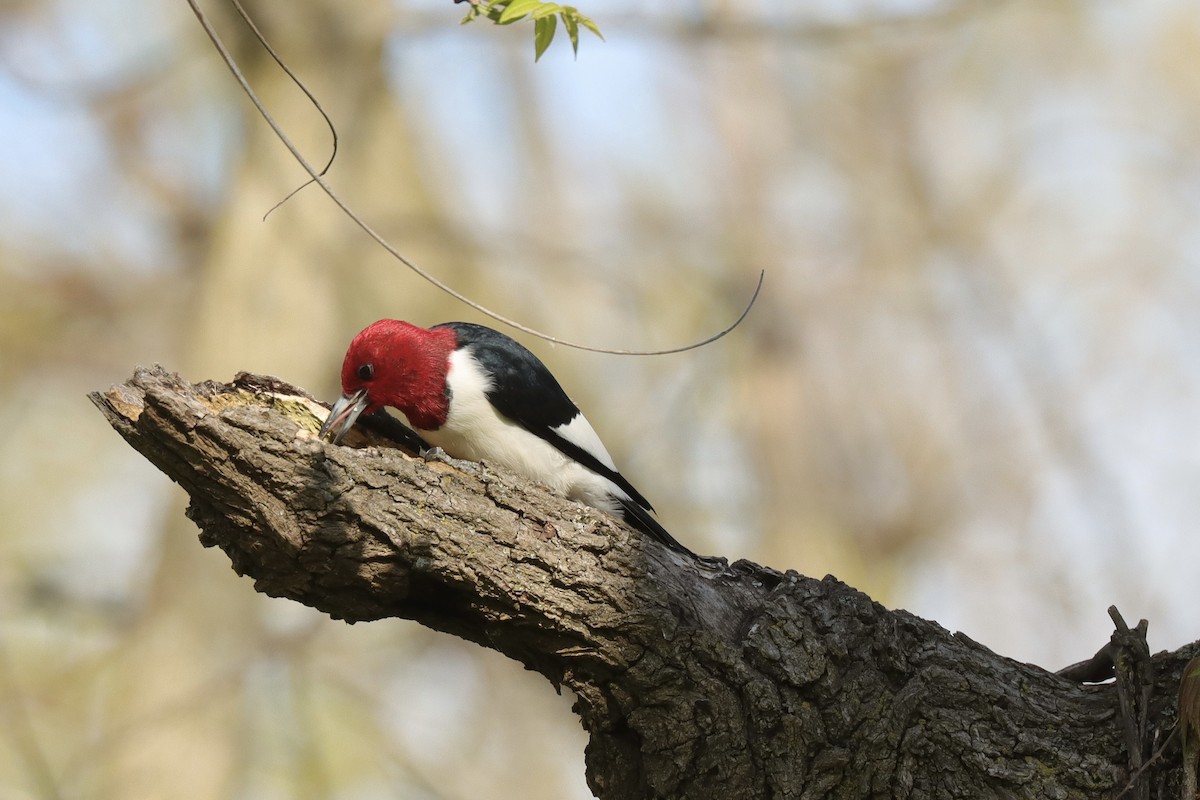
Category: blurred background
<point>971,387</point>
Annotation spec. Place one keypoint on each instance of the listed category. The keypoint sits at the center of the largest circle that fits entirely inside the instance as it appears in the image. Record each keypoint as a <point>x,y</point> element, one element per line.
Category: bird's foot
<point>434,454</point>
<point>439,455</point>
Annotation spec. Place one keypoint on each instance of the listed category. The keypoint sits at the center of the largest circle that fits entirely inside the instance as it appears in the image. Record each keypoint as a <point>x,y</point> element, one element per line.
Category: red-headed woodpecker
<point>481,396</point>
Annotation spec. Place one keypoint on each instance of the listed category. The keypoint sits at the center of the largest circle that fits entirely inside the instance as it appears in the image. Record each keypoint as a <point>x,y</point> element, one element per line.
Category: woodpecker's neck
<point>416,378</point>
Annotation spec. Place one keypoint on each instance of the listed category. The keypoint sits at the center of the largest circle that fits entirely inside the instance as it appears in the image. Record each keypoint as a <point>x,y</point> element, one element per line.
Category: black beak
<point>343,416</point>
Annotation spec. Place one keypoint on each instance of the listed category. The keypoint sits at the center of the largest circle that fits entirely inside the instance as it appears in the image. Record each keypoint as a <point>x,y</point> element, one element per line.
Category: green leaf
<point>544,16</point>
<point>493,9</point>
<point>485,8</point>
<point>517,9</point>
<point>572,26</point>
<point>546,10</point>
<point>590,25</point>
<point>543,34</point>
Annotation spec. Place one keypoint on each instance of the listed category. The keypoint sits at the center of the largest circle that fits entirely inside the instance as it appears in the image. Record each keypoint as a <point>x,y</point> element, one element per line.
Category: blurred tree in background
<point>969,389</point>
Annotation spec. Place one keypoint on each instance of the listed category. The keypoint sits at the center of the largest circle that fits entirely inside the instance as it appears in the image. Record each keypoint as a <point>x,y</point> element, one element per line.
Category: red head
<point>393,363</point>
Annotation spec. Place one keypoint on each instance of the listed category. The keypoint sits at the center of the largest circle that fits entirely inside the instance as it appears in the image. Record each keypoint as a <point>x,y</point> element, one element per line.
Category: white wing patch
<point>579,431</point>
<point>475,431</point>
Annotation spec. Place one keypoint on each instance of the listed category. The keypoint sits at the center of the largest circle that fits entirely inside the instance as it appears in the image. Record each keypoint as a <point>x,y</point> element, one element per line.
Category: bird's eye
<point>366,372</point>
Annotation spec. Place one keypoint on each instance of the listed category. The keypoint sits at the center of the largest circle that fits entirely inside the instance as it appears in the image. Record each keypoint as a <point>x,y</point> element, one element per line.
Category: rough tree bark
<point>693,681</point>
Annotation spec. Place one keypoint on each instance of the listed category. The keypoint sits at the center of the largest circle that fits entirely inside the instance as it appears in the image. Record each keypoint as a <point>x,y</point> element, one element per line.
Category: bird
<point>480,395</point>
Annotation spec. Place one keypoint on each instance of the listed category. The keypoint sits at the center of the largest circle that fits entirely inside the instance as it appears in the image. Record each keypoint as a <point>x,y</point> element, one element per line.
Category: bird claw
<point>434,454</point>
<point>438,454</point>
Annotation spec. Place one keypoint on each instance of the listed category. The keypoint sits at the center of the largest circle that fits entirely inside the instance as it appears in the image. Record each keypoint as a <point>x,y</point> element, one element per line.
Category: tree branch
<point>693,680</point>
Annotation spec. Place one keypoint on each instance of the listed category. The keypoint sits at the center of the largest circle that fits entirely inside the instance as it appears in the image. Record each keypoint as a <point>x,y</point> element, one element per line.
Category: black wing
<point>527,392</point>
<point>644,521</point>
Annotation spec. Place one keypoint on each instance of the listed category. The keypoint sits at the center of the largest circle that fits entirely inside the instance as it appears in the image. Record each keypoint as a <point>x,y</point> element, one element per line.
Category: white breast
<point>475,431</point>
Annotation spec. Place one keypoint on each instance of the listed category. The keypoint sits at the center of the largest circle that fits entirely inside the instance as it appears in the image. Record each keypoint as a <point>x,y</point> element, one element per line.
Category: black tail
<point>645,522</point>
